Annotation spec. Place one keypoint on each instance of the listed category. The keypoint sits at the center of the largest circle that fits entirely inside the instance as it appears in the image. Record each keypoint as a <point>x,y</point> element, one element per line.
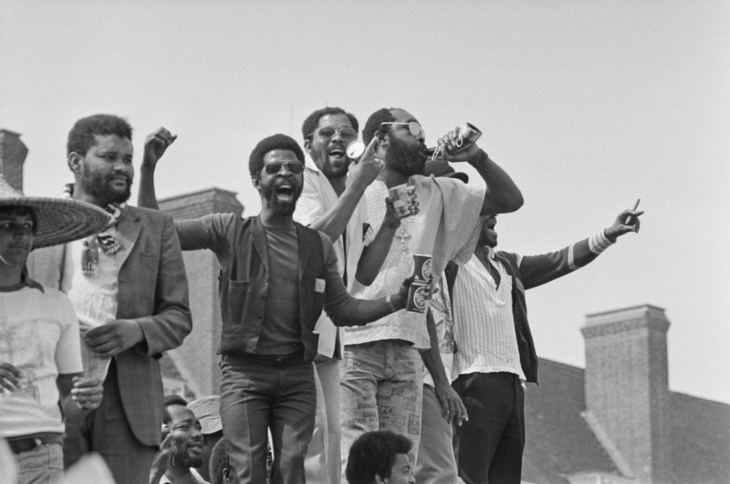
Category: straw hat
<point>59,220</point>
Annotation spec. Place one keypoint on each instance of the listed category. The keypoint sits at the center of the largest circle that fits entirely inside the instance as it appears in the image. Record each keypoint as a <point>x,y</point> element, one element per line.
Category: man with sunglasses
<point>381,383</point>
<point>332,202</point>
<point>276,277</point>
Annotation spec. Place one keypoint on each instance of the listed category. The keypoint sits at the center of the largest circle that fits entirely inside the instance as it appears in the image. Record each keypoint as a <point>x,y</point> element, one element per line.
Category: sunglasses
<point>274,167</point>
<point>328,132</point>
<point>414,127</point>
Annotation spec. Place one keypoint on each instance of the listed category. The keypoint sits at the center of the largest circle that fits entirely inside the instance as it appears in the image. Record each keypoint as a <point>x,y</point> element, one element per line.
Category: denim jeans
<point>323,460</point>
<point>42,465</point>
<point>382,389</point>
<point>436,463</point>
<point>256,397</point>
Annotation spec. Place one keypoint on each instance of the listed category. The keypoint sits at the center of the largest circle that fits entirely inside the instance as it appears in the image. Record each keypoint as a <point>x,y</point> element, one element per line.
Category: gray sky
<point>589,105</point>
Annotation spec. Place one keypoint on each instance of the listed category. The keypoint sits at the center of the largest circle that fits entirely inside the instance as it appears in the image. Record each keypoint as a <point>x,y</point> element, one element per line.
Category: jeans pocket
<point>463,383</point>
<point>55,453</point>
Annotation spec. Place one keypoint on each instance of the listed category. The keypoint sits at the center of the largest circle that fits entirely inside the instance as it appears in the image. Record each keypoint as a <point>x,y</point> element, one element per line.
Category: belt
<point>274,360</point>
<point>19,446</point>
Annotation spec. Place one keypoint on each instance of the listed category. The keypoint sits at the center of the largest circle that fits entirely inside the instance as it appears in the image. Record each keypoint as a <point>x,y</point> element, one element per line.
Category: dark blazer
<point>240,245</point>
<point>153,289</point>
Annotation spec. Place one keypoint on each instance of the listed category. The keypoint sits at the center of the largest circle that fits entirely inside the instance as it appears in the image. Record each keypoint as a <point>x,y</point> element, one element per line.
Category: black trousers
<point>489,446</point>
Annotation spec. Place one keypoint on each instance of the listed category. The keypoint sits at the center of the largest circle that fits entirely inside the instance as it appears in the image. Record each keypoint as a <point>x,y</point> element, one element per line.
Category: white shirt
<point>484,327</point>
<point>316,199</point>
<point>39,335</point>
<point>446,228</point>
<point>94,297</point>
<point>164,479</point>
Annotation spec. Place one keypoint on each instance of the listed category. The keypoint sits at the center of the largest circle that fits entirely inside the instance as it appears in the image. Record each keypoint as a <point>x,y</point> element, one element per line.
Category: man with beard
<point>277,275</point>
<point>381,380</point>
<point>181,451</point>
<point>130,294</point>
<point>331,202</point>
<point>496,354</point>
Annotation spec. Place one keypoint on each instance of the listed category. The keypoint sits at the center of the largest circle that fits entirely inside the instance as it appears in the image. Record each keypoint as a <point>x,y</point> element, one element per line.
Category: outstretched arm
<point>502,195</point>
<point>155,146</point>
<point>345,310</point>
<point>539,269</point>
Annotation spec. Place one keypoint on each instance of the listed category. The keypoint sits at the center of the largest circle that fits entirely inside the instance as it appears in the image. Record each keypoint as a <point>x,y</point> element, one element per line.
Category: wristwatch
<point>480,161</point>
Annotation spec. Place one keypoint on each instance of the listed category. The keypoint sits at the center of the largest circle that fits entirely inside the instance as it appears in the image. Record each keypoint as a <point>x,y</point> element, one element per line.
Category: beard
<point>490,242</point>
<point>405,159</point>
<point>187,461</point>
<point>321,158</point>
<point>488,239</point>
<point>101,188</point>
<point>281,207</point>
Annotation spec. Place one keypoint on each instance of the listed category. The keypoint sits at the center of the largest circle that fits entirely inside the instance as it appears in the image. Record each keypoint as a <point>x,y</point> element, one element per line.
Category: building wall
<point>627,387</point>
<point>12,157</point>
<point>197,359</point>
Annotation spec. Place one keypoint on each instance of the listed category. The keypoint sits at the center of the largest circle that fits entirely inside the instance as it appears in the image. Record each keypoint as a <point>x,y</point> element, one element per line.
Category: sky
<point>588,105</point>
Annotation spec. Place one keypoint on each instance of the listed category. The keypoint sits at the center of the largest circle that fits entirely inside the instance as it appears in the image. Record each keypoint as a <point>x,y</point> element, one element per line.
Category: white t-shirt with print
<point>39,335</point>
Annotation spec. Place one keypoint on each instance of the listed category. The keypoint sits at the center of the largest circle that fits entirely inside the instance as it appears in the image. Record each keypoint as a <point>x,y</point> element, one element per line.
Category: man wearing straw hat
<point>40,360</point>
<point>130,293</point>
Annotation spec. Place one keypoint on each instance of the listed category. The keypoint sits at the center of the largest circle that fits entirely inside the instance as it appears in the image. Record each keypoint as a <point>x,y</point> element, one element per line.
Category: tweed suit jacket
<point>153,290</point>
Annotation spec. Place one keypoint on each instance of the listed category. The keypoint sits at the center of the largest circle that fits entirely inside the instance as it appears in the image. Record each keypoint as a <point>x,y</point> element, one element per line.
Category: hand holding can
<point>402,199</point>
<point>419,296</point>
<point>422,267</point>
<point>456,141</point>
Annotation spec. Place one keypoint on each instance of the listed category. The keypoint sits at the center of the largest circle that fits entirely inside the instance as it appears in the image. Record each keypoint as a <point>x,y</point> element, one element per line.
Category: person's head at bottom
<point>185,435</point>
<point>221,470</point>
<point>380,458</point>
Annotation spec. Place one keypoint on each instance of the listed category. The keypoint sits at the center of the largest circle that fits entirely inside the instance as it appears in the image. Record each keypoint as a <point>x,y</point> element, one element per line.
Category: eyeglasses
<point>328,132</point>
<point>414,127</point>
<point>274,167</point>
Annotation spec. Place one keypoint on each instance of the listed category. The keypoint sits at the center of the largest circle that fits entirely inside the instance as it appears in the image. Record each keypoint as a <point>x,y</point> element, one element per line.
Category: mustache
<point>115,176</point>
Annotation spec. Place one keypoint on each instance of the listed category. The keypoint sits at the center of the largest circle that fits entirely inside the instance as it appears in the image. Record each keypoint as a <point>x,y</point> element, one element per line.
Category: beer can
<point>401,200</point>
<point>468,135</point>
<point>422,267</point>
<point>417,301</point>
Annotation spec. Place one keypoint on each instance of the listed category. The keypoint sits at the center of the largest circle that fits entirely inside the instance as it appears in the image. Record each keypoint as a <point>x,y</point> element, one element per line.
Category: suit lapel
<point>128,230</point>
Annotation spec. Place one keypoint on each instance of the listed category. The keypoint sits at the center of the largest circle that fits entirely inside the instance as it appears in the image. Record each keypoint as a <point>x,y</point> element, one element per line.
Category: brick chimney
<point>196,360</point>
<point>627,387</point>
<point>12,156</point>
